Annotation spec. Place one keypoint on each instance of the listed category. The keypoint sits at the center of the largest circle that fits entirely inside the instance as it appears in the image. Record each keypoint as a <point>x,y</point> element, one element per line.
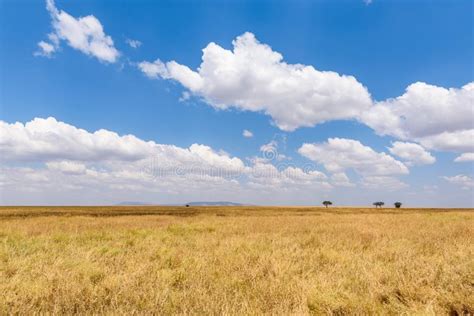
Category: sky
<point>256,102</point>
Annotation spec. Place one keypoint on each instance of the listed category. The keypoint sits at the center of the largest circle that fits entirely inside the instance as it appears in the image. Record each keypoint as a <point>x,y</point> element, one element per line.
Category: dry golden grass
<point>236,260</point>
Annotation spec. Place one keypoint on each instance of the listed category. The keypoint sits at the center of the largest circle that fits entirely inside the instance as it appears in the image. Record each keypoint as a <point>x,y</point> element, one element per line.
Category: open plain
<point>236,260</point>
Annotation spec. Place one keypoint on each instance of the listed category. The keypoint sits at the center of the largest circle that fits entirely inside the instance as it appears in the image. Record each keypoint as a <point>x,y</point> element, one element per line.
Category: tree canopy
<point>327,203</point>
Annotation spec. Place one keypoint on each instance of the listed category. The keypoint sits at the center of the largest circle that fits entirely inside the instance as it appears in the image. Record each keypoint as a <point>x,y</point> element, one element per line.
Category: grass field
<point>236,260</point>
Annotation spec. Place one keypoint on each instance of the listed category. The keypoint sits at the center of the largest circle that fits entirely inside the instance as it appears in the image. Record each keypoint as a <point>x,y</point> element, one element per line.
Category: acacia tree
<point>327,203</point>
<point>378,204</point>
<point>398,204</point>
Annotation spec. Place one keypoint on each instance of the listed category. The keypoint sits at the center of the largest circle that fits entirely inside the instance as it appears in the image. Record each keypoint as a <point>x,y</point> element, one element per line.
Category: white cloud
<point>69,158</point>
<point>253,77</point>
<point>458,141</point>
<point>133,43</point>
<point>265,176</point>
<point>247,134</point>
<point>85,34</point>
<point>153,70</point>
<point>270,147</point>
<point>68,167</point>
<point>467,157</point>
<point>271,152</point>
<point>49,140</point>
<point>383,182</point>
<point>430,189</point>
<point>106,156</point>
<point>462,180</point>
<point>45,49</point>
<point>340,179</point>
<point>412,153</point>
<point>340,154</point>
<point>436,117</point>
<point>45,161</point>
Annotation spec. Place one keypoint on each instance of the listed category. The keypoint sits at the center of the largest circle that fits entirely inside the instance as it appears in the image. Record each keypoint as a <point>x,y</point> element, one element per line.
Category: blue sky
<point>385,45</point>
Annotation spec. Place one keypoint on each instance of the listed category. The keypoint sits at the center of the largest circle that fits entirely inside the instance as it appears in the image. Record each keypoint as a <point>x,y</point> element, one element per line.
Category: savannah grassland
<point>236,260</point>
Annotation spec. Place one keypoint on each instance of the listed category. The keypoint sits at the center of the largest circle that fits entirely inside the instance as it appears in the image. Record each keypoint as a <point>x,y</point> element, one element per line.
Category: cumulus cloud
<point>436,117</point>
<point>412,153</point>
<point>48,139</point>
<point>133,43</point>
<point>466,182</point>
<point>85,34</point>
<point>253,77</point>
<point>247,134</point>
<point>466,157</point>
<point>76,159</point>
<point>340,154</point>
<point>51,141</point>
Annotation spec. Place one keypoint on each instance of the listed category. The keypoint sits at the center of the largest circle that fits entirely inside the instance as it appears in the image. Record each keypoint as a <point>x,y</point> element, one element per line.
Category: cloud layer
<point>75,159</point>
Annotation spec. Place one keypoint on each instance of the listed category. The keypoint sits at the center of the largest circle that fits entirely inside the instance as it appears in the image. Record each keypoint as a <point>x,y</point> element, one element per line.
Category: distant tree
<point>327,203</point>
<point>378,204</point>
<point>398,204</point>
<point>187,205</point>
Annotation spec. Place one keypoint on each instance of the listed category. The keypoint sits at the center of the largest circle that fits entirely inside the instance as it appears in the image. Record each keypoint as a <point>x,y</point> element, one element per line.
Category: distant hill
<point>218,203</point>
<point>130,203</point>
